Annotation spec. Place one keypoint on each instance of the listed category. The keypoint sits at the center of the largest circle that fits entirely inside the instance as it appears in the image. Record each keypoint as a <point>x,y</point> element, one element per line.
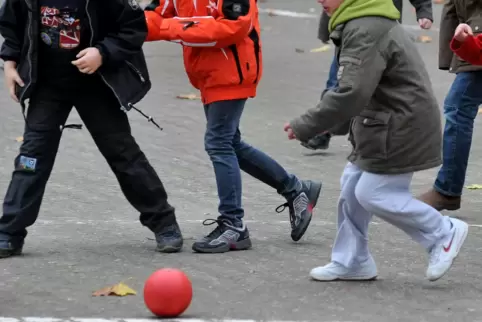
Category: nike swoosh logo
<point>447,249</point>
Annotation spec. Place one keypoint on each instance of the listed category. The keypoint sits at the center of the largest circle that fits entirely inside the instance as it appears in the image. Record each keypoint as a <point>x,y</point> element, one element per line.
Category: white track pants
<point>387,197</point>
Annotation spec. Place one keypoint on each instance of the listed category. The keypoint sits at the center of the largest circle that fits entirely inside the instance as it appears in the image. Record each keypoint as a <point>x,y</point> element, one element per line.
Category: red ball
<point>168,292</point>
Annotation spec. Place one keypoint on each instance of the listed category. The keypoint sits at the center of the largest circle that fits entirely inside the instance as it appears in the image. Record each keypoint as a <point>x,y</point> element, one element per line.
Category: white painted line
<point>48,319</point>
<point>72,220</point>
<point>63,220</point>
<point>294,14</point>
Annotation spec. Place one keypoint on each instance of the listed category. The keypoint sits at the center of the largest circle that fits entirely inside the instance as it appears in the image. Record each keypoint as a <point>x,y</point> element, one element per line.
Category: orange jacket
<point>221,44</point>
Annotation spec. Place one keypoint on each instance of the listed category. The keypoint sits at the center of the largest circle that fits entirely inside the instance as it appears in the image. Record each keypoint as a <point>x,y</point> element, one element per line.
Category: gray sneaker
<point>224,238</point>
<point>169,239</point>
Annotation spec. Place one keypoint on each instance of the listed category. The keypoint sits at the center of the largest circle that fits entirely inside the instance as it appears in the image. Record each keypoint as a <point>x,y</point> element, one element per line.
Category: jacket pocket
<point>371,134</point>
<point>138,73</point>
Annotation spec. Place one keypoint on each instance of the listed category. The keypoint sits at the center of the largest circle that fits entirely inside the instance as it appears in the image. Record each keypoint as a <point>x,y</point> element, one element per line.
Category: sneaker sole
<point>10,253</point>
<point>169,249</point>
<point>346,279</point>
<point>241,245</point>
<point>315,196</point>
<point>461,242</point>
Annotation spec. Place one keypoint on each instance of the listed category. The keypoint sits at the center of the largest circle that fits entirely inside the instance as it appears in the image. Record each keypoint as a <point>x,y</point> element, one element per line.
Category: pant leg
<point>48,111</point>
<point>230,154</point>
<point>389,197</point>
<point>111,131</point>
<point>460,108</point>
<point>265,169</point>
<point>223,119</point>
<point>332,81</point>
<point>351,241</point>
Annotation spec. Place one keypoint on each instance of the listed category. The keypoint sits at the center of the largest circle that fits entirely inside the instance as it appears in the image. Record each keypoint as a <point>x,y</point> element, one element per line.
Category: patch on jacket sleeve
<point>348,68</point>
<point>27,164</point>
<point>233,9</point>
<point>134,4</point>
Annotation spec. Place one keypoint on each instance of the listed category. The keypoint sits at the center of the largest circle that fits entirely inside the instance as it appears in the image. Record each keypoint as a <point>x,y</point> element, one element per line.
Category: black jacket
<point>118,29</point>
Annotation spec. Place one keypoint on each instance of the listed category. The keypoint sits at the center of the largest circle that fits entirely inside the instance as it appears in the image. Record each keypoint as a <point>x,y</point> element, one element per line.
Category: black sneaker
<point>224,238</point>
<point>8,248</point>
<point>169,239</point>
<point>301,208</point>
<point>319,142</point>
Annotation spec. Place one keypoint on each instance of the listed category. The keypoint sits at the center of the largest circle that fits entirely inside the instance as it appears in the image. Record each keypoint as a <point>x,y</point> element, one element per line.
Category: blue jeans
<point>229,154</point>
<point>332,81</point>
<point>460,108</point>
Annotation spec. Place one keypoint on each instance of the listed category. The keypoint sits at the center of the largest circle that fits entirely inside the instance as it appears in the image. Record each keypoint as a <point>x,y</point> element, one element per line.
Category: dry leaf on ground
<point>115,290</point>
<point>19,139</point>
<point>424,39</point>
<point>188,97</point>
<point>474,187</point>
<point>321,49</point>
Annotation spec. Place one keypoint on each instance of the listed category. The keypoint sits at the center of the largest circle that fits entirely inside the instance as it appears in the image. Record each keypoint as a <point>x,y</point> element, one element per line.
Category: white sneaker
<point>444,253</point>
<point>365,271</point>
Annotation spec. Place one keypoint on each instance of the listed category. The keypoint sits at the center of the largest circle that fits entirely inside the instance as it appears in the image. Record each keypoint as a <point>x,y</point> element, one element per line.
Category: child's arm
<point>469,50</point>
<point>129,35</point>
<point>423,9</point>
<point>220,30</point>
<point>11,28</point>
<point>361,68</point>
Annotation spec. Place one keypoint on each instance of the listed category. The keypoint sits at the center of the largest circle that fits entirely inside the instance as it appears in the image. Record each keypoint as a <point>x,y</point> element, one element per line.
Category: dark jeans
<point>460,108</point>
<point>229,154</point>
<point>48,110</point>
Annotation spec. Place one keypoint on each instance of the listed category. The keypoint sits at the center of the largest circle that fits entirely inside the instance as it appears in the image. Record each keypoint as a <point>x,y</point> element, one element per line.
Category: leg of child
<point>109,126</point>
<point>351,259</point>
<point>389,197</point>
<point>48,110</point>
<point>229,155</point>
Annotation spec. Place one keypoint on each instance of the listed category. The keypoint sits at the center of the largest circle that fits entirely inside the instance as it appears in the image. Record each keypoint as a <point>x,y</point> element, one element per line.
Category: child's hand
<point>291,134</point>
<point>12,78</point>
<point>425,23</point>
<point>462,32</point>
<point>89,60</point>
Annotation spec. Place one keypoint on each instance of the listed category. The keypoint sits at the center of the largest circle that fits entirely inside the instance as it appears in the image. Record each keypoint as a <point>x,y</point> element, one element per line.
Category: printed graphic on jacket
<point>60,28</point>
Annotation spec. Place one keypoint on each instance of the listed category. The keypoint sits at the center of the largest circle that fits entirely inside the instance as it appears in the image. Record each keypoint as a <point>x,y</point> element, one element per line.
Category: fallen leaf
<point>299,50</point>
<point>474,186</point>
<point>115,290</point>
<point>321,49</point>
<point>424,39</point>
<point>19,139</point>
<point>188,97</point>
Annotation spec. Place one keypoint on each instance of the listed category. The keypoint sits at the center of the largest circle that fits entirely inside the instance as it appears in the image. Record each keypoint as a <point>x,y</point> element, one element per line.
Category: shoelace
<point>282,208</point>
<point>218,231</point>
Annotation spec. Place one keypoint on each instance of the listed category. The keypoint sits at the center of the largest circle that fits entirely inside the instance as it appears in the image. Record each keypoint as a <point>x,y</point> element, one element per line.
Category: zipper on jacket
<point>253,35</point>
<point>91,44</point>
<point>29,55</point>
<point>238,63</point>
<point>138,72</point>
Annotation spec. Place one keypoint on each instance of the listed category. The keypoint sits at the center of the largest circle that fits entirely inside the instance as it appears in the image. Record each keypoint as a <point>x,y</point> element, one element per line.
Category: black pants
<point>99,110</point>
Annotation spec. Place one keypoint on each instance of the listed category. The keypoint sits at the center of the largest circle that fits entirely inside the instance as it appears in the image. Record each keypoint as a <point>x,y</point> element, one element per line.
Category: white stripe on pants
<point>385,196</point>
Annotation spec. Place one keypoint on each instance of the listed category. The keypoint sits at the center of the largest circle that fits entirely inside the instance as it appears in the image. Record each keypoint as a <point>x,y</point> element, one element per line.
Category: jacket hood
<point>352,9</point>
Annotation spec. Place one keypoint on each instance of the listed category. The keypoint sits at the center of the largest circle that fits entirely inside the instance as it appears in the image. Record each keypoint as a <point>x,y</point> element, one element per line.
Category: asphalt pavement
<point>89,237</point>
